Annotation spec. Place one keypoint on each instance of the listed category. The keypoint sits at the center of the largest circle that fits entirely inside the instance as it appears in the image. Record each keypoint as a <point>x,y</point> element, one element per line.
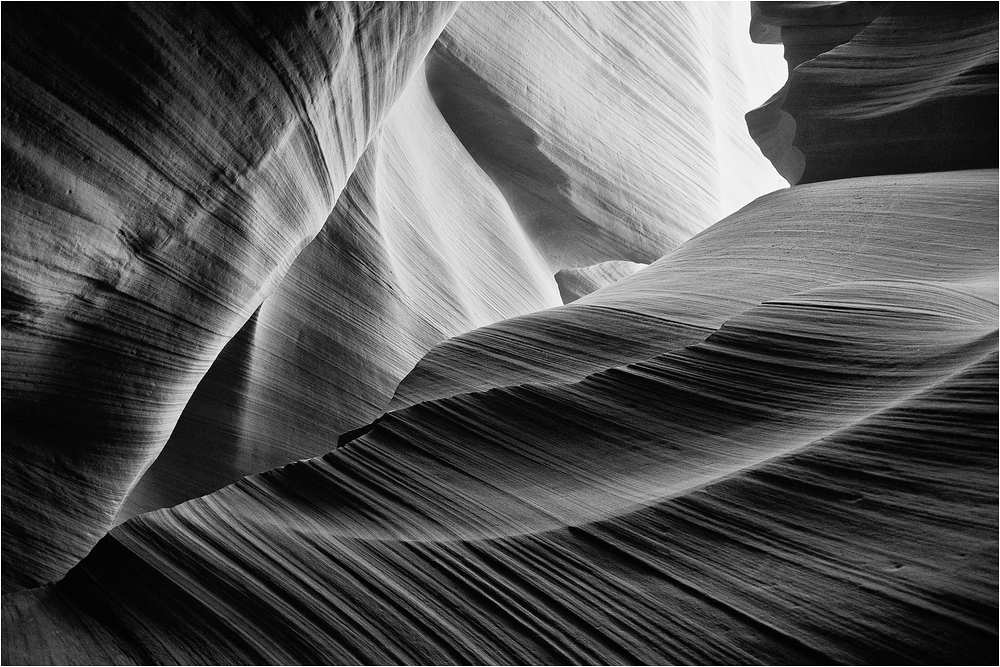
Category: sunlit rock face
<point>878,88</point>
<point>774,444</point>
<point>620,126</point>
<point>673,304</point>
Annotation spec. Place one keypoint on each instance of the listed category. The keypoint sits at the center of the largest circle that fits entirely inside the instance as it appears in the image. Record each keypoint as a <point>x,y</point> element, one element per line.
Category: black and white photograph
<point>500,333</point>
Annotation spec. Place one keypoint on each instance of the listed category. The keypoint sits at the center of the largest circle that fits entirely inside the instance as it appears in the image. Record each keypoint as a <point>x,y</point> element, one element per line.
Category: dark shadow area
<point>839,117</point>
<point>356,433</point>
<point>205,436</point>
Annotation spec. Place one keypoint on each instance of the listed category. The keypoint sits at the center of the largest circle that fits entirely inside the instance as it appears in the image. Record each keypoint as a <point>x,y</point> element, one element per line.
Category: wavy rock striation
<point>909,87</point>
<point>396,268</point>
<point>776,443</point>
<point>673,303</point>
<point>163,167</point>
<point>167,169</point>
<point>610,127</point>
<point>842,501</point>
<point>424,246</point>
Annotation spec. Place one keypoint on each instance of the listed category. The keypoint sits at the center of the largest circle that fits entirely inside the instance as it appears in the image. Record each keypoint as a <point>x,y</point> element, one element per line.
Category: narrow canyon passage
<point>427,333</point>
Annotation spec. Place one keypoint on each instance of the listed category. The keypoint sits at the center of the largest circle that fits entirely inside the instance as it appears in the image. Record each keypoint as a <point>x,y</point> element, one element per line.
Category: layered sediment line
<point>911,87</point>
<point>688,294</point>
<point>815,481</point>
<point>163,167</point>
<point>167,169</point>
<point>420,247</point>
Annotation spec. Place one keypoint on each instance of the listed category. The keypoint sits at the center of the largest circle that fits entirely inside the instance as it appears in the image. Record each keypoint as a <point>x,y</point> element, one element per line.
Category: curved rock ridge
<point>163,166</point>
<point>807,29</point>
<point>396,268</point>
<point>612,128</point>
<point>910,88</point>
<point>577,282</point>
<point>357,313</point>
<point>831,232</point>
<point>814,481</point>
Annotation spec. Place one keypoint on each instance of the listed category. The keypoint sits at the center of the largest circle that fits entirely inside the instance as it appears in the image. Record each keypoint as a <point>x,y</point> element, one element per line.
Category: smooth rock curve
<point>815,481</point>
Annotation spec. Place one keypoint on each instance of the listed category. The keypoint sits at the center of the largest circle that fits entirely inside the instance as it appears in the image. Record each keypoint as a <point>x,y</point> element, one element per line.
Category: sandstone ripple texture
<point>410,333</point>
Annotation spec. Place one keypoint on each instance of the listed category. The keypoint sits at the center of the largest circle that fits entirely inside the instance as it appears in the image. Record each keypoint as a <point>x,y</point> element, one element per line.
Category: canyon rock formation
<point>115,328</point>
<point>577,282</point>
<point>163,167</point>
<point>355,297</point>
<point>877,88</point>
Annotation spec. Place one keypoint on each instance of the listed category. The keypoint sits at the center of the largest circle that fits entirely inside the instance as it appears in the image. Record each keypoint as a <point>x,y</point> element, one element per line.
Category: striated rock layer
<point>612,128</point>
<point>713,277</point>
<point>163,166</point>
<point>909,87</point>
<point>424,246</point>
<point>814,481</point>
<point>229,232</point>
<point>396,268</point>
<point>776,443</point>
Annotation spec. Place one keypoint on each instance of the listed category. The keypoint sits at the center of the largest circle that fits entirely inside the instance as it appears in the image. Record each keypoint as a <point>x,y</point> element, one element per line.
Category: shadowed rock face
<point>910,87</point>
<point>776,443</point>
<point>807,29</point>
<point>163,167</point>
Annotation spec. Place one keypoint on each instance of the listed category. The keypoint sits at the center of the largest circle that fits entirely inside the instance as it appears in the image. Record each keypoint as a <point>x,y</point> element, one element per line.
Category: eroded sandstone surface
<point>878,88</point>
<point>229,233</point>
<point>366,286</point>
